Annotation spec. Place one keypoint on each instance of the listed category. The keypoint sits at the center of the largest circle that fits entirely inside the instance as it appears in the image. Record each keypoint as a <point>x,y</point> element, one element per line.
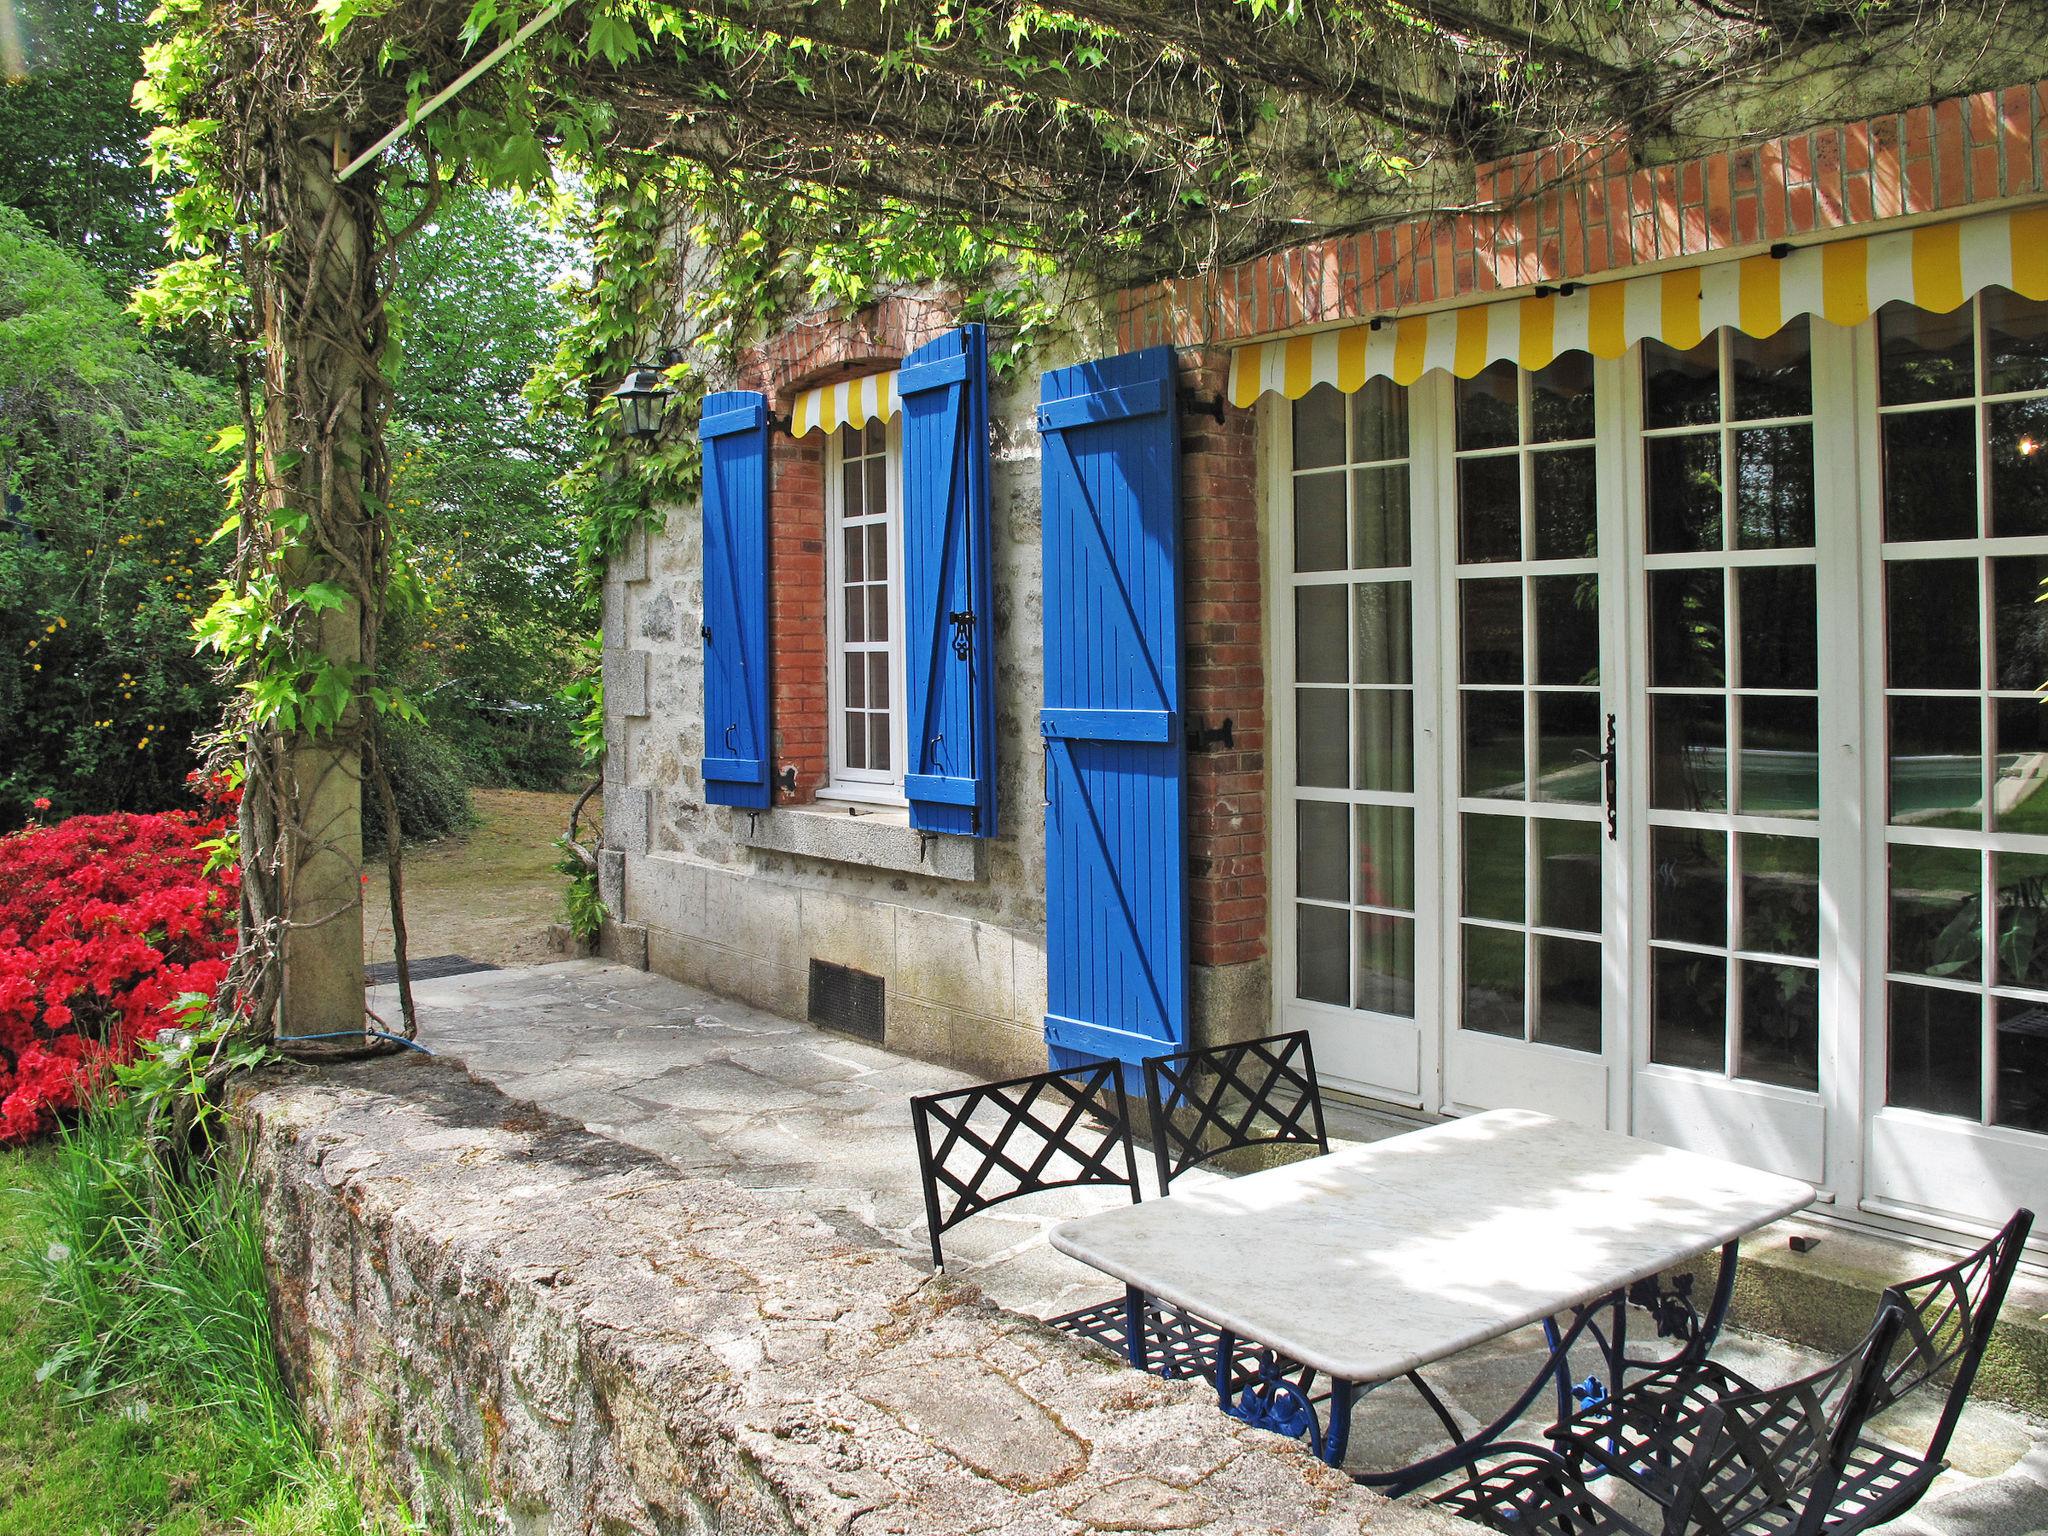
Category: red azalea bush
<point>105,922</point>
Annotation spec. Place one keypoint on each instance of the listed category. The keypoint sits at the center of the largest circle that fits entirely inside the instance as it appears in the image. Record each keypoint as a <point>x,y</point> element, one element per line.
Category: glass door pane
<point>1530,721</point>
<point>1729,607</point>
<point>1353,794</point>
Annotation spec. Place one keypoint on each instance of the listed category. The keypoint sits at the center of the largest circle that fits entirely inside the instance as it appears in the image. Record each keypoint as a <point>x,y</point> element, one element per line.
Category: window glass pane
<point>2020,947</point>
<point>1773,375</point>
<point>878,552</point>
<point>2019,466</point>
<point>2022,1065</point>
<point>878,485</point>
<point>1386,739</point>
<point>1322,748</point>
<point>1321,638</point>
<point>1383,628</point>
<point>1490,509</point>
<point>1319,428</point>
<point>1561,399</point>
<point>1776,610</point>
<point>1683,476</point>
<point>875,438</point>
<point>1936,762</point>
<point>1322,850</point>
<point>1494,872</point>
<point>1386,856</point>
<point>1686,625</point>
<point>1563,485</point>
<point>1379,422</point>
<point>1322,954</point>
<point>1930,475</point>
<point>2019,622</point>
<point>1937,926</point>
<point>1568,874</point>
<point>2019,799</point>
<point>1494,981</point>
<point>1774,488</point>
<point>1922,355</point>
<point>1780,894</point>
<point>2015,342</point>
<point>1681,389</point>
<point>1688,1010</point>
<point>1567,993</point>
<point>878,612</point>
<point>1567,738</point>
<point>1567,630</point>
<point>1492,630</point>
<point>854,549</point>
<point>1931,624</point>
<point>856,611</point>
<point>1780,1039</point>
<point>856,739</point>
<point>1688,753</point>
<point>1319,522</point>
<point>878,680</point>
<point>1780,769</point>
<point>855,673</point>
<point>878,742</point>
<point>1487,411</point>
<point>1689,885</point>
<point>1493,746</point>
<point>1937,1050</point>
<point>1386,964</point>
<point>1380,519</point>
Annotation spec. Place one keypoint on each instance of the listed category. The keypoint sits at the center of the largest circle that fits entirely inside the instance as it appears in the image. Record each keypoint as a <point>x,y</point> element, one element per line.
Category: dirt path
<point>489,894</point>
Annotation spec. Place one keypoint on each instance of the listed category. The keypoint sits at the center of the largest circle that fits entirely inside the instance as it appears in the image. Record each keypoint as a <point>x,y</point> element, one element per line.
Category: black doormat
<point>430,968</point>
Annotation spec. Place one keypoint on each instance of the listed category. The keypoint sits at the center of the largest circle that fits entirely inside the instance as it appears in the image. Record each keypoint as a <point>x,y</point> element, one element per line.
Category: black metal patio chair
<point>1946,1321</point>
<point>1222,1098</point>
<point>1767,1462</point>
<point>979,1147</point>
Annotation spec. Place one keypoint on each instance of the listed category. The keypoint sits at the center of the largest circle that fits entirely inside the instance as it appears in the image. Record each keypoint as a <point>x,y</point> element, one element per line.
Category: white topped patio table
<point>1368,1263</point>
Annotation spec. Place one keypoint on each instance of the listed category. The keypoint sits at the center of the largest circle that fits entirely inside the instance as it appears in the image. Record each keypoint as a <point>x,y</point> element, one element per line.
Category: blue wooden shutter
<point>948,600</point>
<point>1116,790</point>
<point>734,430</point>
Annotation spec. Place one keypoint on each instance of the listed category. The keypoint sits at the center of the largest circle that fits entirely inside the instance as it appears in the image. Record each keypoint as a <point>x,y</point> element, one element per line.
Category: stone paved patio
<point>823,1122</point>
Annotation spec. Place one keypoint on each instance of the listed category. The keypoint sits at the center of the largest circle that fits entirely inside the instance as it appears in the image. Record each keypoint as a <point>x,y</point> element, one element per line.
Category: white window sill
<point>862,800</point>
<point>874,837</point>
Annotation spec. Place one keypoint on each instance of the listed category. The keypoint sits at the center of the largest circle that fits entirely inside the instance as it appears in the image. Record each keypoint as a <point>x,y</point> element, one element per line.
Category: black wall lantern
<point>643,399</point>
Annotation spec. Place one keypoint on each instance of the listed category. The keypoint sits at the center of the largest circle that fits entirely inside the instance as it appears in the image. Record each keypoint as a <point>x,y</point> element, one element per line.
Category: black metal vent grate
<point>847,1000</point>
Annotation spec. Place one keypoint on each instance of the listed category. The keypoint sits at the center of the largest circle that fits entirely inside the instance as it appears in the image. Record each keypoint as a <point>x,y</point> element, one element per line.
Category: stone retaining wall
<point>492,1310</point>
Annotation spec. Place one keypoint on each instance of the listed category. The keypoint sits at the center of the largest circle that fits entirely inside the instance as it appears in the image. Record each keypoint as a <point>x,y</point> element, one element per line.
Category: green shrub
<point>430,781</point>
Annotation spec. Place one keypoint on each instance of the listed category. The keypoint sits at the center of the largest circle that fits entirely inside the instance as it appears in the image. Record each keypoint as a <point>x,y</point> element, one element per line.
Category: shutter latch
<point>963,632</point>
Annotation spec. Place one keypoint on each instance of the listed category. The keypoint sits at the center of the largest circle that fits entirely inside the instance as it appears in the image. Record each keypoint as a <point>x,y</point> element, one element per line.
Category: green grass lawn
<point>132,1460</point>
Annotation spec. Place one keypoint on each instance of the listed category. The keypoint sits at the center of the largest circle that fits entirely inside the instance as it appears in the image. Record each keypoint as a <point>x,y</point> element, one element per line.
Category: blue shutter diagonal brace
<point>948,595</point>
<point>1116,777</point>
<point>734,431</point>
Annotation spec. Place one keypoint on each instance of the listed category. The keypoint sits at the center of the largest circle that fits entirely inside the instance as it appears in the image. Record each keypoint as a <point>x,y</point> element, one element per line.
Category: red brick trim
<point>1579,210</point>
<point>825,347</point>
<point>1224,674</point>
<point>797,649</point>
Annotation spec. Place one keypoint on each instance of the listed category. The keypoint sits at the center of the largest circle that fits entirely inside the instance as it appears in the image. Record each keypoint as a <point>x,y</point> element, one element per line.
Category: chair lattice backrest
<point>980,1146</point>
<point>1254,1093</point>
<point>1948,1318</point>
<point>1781,1450</point>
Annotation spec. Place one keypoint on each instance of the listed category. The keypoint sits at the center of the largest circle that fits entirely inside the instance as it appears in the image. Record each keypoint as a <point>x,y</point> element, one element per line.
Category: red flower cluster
<point>105,921</point>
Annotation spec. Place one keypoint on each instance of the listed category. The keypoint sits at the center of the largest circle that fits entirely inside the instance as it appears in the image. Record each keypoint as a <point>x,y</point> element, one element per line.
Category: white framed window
<point>864,580</point>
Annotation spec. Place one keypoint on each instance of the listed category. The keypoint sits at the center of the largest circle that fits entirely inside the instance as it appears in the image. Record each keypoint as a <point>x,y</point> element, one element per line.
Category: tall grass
<point>152,1286</point>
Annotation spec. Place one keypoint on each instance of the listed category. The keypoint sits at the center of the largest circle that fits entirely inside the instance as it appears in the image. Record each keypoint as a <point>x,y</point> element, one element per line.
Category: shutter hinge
<point>705,631</point>
<point>963,632</point>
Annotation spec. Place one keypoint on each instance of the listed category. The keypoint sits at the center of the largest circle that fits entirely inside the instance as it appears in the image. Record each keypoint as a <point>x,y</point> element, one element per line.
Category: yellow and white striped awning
<point>1937,267</point>
<point>849,403</point>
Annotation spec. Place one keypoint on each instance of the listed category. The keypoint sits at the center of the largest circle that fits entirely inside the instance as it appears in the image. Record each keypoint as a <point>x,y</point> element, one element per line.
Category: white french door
<point>1796,913</point>
<point>1532,915</point>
